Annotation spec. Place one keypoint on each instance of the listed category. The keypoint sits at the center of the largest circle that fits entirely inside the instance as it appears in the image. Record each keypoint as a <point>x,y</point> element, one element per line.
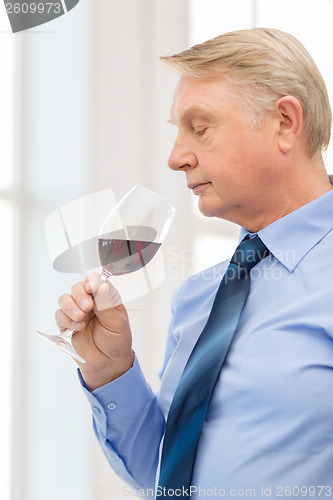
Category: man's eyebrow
<point>193,112</point>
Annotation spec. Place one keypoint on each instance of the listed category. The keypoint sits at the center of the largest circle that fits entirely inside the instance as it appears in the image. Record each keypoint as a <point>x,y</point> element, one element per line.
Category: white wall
<point>53,157</point>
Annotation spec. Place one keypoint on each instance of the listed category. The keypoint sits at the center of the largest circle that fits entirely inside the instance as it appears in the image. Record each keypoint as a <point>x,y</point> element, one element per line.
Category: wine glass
<point>128,239</point>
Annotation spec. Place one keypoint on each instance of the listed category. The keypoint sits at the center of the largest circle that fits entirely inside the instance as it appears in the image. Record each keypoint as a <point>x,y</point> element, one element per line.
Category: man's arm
<point>129,425</point>
<point>128,421</point>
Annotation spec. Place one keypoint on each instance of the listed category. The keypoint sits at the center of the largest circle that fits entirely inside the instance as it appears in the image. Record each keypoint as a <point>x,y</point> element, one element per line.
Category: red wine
<point>121,256</point>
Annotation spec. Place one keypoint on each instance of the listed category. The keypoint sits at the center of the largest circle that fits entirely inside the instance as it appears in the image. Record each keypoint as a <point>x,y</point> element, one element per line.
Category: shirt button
<point>112,406</point>
<point>96,410</point>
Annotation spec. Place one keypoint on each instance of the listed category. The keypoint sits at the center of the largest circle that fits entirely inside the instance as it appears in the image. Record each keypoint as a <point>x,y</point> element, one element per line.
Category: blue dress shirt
<point>269,428</point>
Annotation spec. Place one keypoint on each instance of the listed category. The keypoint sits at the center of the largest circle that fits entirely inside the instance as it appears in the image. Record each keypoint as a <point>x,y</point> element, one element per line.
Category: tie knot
<point>249,252</point>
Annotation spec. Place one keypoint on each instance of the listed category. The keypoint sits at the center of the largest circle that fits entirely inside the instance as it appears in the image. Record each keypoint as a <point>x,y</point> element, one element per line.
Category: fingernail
<point>77,312</point>
<point>85,304</point>
<point>103,288</point>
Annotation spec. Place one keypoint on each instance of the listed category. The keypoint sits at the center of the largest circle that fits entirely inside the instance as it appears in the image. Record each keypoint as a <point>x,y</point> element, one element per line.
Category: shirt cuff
<point>120,399</point>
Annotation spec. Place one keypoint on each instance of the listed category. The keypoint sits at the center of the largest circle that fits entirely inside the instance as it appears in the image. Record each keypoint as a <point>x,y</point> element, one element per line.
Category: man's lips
<point>196,186</point>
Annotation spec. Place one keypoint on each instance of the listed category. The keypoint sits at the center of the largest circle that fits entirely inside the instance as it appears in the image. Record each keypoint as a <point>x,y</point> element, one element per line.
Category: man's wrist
<point>95,380</point>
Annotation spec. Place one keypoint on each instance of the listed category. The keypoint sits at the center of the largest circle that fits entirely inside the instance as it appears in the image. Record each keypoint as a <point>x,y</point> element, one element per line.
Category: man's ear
<point>289,114</point>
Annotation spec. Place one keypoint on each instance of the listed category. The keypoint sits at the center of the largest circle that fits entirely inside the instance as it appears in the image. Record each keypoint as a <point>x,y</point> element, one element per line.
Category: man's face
<point>228,165</point>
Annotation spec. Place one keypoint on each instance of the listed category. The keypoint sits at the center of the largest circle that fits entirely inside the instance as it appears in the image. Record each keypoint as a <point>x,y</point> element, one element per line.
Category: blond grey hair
<point>261,65</point>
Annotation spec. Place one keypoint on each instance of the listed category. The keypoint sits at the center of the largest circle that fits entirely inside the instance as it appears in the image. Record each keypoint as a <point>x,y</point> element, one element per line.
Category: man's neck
<point>304,186</point>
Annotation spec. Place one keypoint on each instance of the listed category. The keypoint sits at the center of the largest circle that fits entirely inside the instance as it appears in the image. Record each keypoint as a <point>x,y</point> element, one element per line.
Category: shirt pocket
<point>285,401</point>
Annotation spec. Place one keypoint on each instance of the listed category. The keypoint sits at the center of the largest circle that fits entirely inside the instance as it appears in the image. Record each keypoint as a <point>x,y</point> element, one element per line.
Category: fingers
<point>64,322</point>
<point>91,283</point>
<point>106,296</point>
<point>76,306</point>
<point>85,299</point>
<point>68,305</point>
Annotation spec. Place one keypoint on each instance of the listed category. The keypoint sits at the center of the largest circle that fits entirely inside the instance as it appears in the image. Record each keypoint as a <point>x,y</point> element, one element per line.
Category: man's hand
<point>103,335</point>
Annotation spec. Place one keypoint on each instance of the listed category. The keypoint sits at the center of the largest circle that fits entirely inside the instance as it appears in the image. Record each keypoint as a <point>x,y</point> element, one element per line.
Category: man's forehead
<point>187,113</point>
<point>198,97</point>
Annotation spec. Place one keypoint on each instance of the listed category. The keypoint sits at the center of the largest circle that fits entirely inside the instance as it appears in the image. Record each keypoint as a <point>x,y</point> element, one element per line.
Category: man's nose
<point>181,156</point>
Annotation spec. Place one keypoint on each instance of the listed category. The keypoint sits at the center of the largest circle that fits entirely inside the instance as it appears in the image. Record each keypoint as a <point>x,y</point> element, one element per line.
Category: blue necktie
<point>194,391</point>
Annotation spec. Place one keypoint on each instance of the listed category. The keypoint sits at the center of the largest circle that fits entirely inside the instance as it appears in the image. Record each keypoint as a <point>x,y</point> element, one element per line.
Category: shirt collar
<point>290,238</point>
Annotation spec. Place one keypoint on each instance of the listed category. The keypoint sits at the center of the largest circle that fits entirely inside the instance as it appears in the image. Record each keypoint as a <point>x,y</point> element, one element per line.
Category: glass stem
<point>105,275</point>
<point>68,334</point>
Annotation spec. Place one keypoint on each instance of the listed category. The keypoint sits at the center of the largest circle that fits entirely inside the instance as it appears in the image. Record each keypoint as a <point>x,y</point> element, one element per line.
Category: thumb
<point>108,306</point>
<point>107,297</point>
<point>103,292</point>
<point>110,311</point>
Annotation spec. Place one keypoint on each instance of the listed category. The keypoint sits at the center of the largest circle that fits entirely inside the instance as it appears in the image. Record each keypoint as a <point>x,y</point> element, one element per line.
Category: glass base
<point>63,344</point>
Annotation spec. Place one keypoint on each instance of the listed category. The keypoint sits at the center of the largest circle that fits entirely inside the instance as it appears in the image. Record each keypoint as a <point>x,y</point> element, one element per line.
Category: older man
<point>253,119</point>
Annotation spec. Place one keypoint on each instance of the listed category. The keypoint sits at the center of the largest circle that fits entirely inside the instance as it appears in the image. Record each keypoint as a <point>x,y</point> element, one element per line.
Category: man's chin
<point>207,210</point>
<point>210,210</point>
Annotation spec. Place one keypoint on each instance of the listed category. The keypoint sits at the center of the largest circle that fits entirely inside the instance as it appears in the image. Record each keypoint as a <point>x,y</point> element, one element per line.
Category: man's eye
<point>199,130</point>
